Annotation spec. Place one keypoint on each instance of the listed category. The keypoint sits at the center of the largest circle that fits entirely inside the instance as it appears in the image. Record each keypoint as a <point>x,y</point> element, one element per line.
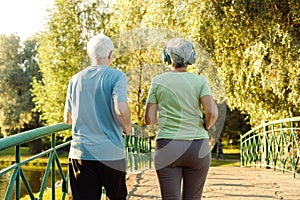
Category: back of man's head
<point>99,47</point>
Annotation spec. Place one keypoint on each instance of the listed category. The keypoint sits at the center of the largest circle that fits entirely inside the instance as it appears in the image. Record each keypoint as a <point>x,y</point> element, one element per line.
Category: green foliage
<point>18,65</point>
<point>235,125</point>
<point>255,46</point>
<point>62,53</point>
<point>246,49</point>
<point>59,54</point>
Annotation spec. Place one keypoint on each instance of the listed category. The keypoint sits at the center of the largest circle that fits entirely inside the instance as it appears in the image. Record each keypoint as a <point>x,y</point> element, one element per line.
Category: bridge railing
<point>135,144</point>
<point>274,144</point>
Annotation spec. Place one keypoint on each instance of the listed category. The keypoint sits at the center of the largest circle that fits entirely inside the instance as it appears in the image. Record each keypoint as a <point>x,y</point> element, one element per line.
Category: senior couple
<point>96,107</point>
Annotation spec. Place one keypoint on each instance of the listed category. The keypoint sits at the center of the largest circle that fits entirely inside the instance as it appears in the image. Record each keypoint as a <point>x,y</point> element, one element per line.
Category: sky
<point>23,17</point>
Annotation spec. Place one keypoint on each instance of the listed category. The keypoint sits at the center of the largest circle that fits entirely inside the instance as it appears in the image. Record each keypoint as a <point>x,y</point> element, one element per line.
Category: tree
<point>18,66</point>
<point>62,52</point>
<point>10,84</point>
<point>142,38</point>
<point>248,49</point>
<point>29,64</point>
<point>255,46</point>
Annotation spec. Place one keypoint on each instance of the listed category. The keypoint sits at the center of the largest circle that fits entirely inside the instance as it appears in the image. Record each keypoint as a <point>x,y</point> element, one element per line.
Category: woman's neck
<point>181,69</point>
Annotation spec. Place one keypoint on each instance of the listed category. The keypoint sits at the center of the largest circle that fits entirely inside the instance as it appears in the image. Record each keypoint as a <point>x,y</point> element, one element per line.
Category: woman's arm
<point>210,110</point>
<point>151,113</point>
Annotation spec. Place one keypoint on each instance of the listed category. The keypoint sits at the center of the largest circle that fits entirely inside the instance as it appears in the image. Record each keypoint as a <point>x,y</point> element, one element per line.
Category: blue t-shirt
<point>96,133</point>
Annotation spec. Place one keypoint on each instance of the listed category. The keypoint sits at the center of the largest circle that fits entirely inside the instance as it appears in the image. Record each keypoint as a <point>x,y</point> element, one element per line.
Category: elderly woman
<point>182,148</point>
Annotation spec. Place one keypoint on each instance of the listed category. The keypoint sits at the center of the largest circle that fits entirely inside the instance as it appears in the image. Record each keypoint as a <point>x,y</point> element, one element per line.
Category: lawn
<point>231,158</point>
<point>7,156</point>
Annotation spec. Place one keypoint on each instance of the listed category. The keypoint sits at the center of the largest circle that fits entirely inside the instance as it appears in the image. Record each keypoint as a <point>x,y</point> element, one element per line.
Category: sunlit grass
<point>48,194</point>
<point>231,151</point>
<point>7,156</point>
<point>224,163</point>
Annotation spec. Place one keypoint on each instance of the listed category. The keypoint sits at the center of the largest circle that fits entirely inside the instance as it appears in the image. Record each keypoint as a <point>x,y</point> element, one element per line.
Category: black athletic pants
<point>87,177</point>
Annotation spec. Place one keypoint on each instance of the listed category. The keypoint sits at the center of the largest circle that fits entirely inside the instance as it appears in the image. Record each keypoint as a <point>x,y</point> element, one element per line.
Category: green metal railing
<point>274,144</point>
<point>134,145</point>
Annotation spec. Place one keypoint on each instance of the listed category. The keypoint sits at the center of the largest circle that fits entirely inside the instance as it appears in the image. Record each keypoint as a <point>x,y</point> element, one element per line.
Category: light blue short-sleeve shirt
<point>177,95</point>
<point>96,133</point>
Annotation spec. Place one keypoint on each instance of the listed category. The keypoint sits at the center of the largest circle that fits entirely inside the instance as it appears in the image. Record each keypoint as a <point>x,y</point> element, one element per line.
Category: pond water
<point>35,175</point>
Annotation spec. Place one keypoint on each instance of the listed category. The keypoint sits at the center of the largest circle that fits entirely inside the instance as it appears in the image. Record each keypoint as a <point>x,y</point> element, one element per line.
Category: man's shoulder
<point>116,71</point>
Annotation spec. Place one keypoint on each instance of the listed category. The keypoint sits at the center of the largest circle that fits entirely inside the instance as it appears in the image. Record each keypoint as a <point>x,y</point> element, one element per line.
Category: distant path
<point>230,183</point>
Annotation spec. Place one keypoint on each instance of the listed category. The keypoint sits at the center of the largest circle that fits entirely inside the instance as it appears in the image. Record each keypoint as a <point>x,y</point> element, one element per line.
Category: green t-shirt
<point>178,97</point>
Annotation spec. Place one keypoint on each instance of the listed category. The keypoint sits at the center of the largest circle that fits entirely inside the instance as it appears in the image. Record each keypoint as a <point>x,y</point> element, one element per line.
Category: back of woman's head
<point>99,47</point>
<point>181,52</point>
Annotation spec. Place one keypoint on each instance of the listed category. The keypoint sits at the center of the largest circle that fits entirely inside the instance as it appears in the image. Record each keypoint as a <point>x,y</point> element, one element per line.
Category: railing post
<point>150,152</point>
<point>293,147</point>
<point>266,144</point>
<point>53,142</point>
<point>18,188</point>
<point>241,151</point>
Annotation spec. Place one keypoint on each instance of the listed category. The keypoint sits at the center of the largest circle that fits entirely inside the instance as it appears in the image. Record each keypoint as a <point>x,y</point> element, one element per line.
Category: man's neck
<point>98,62</point>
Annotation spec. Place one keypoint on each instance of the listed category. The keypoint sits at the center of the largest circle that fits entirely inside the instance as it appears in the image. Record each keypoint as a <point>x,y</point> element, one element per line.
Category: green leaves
<point>18,66</point>
<point>249,49</point>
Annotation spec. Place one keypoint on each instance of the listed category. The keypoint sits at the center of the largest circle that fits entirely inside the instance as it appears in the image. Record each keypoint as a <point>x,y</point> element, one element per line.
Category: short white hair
<point>99,47</point>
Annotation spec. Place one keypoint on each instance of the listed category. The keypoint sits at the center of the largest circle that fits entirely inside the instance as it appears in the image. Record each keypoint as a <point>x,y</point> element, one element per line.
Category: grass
<point>48,194</point>
<point>7,157</point>
<point>224,163</point>
<point>231,158</point>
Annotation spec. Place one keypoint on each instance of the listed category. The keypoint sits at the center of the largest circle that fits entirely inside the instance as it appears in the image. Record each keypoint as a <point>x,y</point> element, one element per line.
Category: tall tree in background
<point>10,84</point>
<point>18,65</point>
<point>137,52</point>
<point>62,52</point>
<point>256,48</point>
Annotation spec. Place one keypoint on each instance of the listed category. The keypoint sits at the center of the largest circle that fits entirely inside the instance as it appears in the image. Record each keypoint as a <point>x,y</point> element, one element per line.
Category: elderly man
<point>96,106</point>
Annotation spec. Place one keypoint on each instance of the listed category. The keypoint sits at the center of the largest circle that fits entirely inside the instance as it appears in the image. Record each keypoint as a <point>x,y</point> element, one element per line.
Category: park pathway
<point>230,183</point>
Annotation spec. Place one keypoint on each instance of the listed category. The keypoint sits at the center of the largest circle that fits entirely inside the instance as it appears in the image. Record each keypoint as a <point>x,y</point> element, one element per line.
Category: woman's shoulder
<point>161,76</point>
<point>194,76</point>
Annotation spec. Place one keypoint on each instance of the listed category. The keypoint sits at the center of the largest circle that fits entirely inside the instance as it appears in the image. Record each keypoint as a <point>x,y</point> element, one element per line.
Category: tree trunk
<point>35,146</point>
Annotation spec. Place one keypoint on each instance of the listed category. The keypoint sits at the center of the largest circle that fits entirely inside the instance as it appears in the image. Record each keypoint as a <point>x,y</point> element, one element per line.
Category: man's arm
<point>123,115</point>
<point>68,118</point>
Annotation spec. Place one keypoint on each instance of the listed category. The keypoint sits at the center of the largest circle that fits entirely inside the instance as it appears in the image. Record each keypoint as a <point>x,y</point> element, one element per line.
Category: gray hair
<point>99,47</point>
<point>180,51</point>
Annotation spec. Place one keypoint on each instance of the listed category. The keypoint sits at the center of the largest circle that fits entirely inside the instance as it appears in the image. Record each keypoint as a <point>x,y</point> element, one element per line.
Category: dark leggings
<point>180,160</point>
